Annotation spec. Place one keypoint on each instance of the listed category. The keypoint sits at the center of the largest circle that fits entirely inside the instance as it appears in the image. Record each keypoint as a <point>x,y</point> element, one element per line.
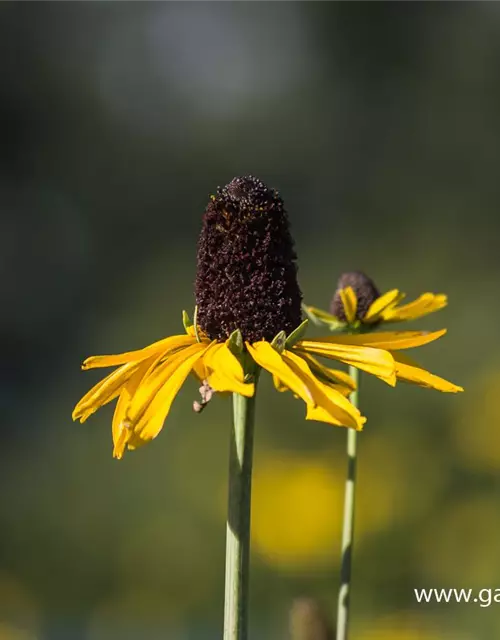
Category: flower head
<point>247,318</point>
<point>348,307</point>
<point>247,273</point>
<point>358,308</point>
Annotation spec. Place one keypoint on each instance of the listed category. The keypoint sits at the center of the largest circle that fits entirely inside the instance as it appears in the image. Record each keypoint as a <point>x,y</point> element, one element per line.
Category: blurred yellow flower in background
<point>294,519</point>
<point>459,548</point>
<point>295,522</point>
<point>403,626</point>
<point>474,430</point>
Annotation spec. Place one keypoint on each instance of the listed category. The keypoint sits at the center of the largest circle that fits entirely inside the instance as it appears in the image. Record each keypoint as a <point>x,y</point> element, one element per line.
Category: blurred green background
<point>379,124</point>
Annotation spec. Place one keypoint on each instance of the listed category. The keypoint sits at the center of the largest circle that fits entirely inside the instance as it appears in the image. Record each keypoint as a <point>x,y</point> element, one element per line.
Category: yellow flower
<point>386,308</point>
<point>357,308</point>
<point>146,381</point>
<point>248,318</point>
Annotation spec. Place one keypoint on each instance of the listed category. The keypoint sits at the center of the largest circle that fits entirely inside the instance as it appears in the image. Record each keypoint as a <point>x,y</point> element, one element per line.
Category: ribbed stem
<point>343,607</point>
<point>238,519</point>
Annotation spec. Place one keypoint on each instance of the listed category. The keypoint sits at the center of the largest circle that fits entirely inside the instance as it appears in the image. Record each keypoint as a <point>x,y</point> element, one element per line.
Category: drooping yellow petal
<point>393,340</point>
<point>121,434</point>
<point>224,384</point>
<point>320,414</point>
<point>117,428</point>
<point>270,360</point>
<point>340,411</point>
<point>151,421</point>
<point>226,372</point>
<point>278,385</point>
<point>349,302</point>
<point>166,345</point>
<point>200,371</point>
<point>423,305</point>
<point>378,362</point>
<point>103,392</point>
<point>330,376</point>
<point>200,368</point>
<point>153,383</point>
<point>121,441</point>
<point>377,306</point>
<point>407,370</point>
<point>219,357</point>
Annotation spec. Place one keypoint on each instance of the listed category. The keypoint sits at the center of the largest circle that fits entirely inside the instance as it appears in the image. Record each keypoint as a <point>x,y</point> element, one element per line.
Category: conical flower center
<point>364,288</point>
<point>246,269</point>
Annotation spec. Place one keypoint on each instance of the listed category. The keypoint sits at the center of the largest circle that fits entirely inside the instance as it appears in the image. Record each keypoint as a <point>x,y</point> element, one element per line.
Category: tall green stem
<point>238,519</point>
<point>343,607</point>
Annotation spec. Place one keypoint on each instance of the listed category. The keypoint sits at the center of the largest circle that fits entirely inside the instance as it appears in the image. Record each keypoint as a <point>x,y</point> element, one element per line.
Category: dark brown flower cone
<point>246,269</point>
<point>364,288</point>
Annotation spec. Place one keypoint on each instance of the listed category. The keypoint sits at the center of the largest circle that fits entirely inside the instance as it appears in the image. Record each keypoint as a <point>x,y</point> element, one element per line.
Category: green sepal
<point>186,321</point>
<point>338,325</point>
<point>279,341</point>
<point>297,334</point>
<point>332,323</point>
<point>235,343</point>
<point>311,316</point>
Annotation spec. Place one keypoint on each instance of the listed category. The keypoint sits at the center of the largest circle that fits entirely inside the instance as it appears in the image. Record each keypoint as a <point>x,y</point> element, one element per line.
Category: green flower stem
<point>343,607</point>
<point>238,519</point>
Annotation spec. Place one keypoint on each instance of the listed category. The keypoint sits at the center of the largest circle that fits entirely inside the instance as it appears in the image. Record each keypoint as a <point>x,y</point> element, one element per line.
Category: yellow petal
<point>386,339</point>
<point>200,368</point>
<point>278,385</point>
<point>270,360</point>
<point>424,304</point>
<point>200,371</point>
<point>381,303</point>
<point>408,370</point>
<point>350,303</point>
<point>151,422</point>
<point>378,362</point>
<point>223,384</point>
<point>320,414</point>
<point>153,383</point>
<point>120,442</point>
<point>166,345</point>
<point>201,334</point>
<point>122,435</point>
<point>335,406</point>
<point>220,358</point>
<point>330,376</point>
<point>103,392</point>
<point>226,372</point>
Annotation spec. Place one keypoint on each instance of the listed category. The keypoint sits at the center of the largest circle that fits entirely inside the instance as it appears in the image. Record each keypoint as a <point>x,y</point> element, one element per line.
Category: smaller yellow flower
<point>358,306</point>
